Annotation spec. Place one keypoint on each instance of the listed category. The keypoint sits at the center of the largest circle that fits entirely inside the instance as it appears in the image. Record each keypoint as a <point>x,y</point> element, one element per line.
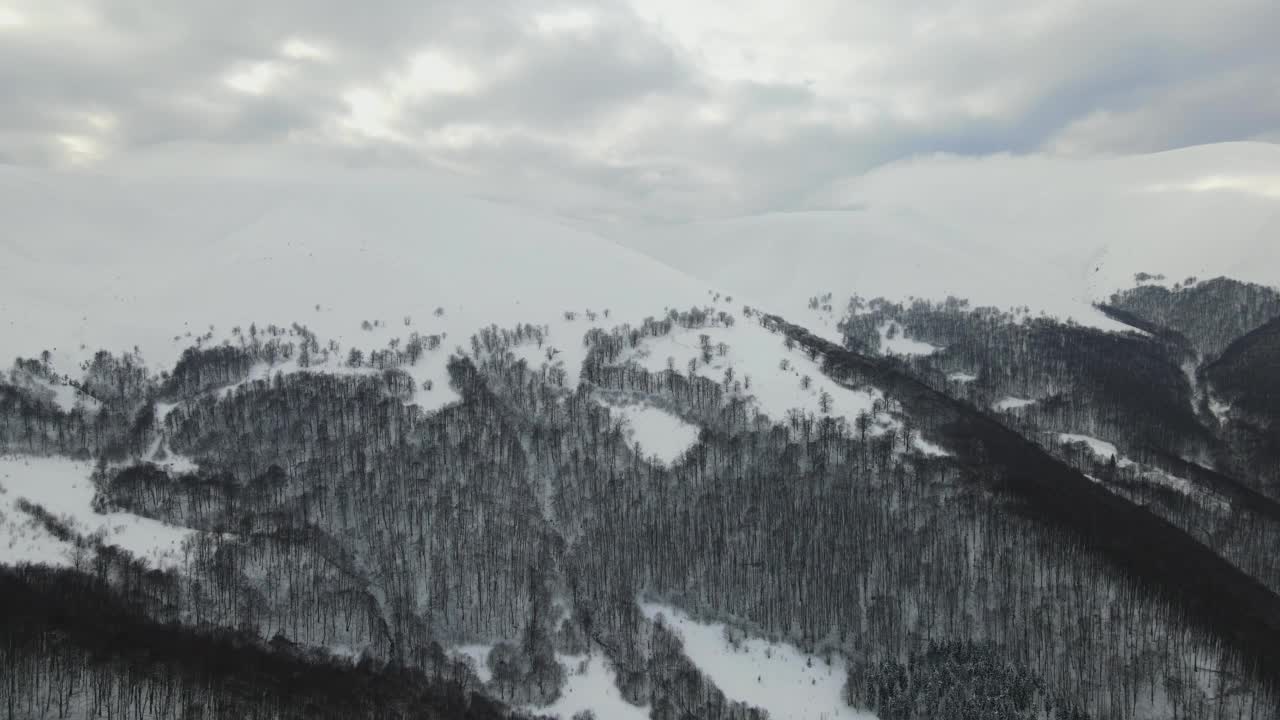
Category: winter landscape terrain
<point>980,438</point>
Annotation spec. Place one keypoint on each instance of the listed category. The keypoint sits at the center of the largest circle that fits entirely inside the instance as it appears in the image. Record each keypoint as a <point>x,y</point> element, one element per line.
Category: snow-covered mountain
<point>1053,234</point>
<point>616,481</point>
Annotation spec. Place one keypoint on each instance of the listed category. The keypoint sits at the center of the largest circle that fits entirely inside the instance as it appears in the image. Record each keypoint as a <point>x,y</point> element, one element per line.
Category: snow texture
<point>776,677</point>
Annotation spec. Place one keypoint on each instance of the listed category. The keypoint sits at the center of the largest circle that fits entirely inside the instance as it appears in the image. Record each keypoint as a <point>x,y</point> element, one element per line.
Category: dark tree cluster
<point>75,647</point>
<point>1209,314</point>
<point>958,681</point>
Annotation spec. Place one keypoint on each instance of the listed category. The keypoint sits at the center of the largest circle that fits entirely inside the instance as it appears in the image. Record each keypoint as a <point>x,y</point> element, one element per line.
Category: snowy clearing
<point>768,371</point>
<point>590,685</point>
<point>962,377</point>
<point>63,488</point>
<point>656,432</point>
<point>775,677</point>
<point>1101,449</point>
<point>1012,403</point>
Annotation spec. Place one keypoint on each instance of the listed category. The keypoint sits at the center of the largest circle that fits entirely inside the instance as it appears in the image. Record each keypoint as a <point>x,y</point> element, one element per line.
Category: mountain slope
<point>389,422</point>
<point>113,263</point>
<point>1055,234</point>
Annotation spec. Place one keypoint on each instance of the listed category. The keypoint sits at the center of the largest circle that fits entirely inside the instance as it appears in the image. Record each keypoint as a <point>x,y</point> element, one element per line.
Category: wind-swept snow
<point>776,677</point>
<point>590,684</point>
<point>63,488</point>
<point>1051,233</point>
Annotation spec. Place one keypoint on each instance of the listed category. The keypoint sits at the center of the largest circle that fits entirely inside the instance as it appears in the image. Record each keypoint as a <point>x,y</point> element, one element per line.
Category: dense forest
<point>1016,573</point>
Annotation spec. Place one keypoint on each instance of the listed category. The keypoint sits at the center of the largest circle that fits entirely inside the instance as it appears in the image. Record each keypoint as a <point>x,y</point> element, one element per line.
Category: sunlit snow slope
<point>1054,234</point>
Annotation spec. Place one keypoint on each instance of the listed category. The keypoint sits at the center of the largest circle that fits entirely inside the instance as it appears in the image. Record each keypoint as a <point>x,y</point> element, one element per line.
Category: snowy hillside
<point>1054,234</point>
<point>98,263</point>
<point>117,263</point>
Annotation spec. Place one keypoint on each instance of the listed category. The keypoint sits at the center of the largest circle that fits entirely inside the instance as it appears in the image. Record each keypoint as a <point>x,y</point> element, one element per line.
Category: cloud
<point>621,111</point>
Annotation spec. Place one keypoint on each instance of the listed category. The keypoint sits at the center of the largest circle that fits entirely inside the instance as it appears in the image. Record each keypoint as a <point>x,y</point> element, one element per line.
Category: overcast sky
<point>630,109</point>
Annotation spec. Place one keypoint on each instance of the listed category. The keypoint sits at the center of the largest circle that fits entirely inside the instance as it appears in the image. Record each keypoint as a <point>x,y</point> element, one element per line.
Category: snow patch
<point>776,677</point>
<point>1221,410</point>
<point>960,377</point>
<point>1101,449</point>
<point>1012,403</point>
<point>656,432</point>
<point>930,449</point>
<point>477,656</point>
